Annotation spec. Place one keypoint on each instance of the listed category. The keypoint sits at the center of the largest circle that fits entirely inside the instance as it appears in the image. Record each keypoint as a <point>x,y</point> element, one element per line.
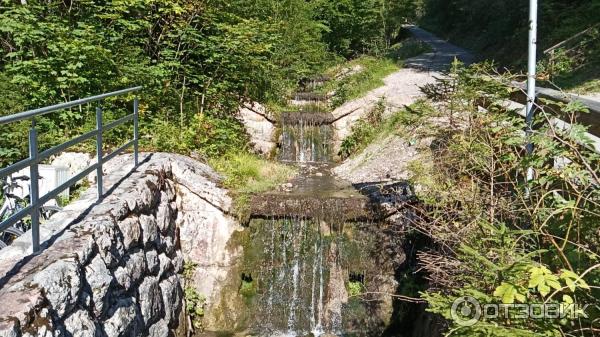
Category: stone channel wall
<point>114,268</point>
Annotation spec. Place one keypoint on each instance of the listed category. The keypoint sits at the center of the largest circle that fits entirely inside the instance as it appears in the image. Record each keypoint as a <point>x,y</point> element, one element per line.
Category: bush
<point>211,136</point>
<point>502,238</point>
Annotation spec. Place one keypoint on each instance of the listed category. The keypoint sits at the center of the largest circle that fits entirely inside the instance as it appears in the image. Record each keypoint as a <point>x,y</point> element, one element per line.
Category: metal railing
<point>573,47</point>
<point>36,157</point>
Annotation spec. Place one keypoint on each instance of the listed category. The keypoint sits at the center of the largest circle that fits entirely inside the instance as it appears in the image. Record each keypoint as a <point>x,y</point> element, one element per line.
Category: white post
<point>531,74</point>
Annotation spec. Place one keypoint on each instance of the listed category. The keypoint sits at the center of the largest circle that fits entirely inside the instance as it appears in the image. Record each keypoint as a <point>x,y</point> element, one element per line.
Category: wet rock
<point>287,187</point>
<point>151,304</point>
<point>80,324</point>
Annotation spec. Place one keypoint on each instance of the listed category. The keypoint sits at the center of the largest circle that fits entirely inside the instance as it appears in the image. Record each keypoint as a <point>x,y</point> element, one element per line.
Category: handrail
<point>562,43</point>
<point>35,157</point>
<point>42,111</point>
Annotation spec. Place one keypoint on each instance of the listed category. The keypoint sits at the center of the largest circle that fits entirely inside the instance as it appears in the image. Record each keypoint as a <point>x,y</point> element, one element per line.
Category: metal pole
<point>99,149</point>
<point>531,74</point>
<point>136,133</point>
<point>34,186</point>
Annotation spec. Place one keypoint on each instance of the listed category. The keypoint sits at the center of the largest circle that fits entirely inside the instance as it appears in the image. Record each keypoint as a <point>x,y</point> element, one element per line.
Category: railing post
<point>34,188</point>
<point>136,134</point>
<point>99,130</point>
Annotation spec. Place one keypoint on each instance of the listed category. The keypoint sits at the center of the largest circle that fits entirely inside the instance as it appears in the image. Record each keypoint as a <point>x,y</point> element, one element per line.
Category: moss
<point>248,290</point>
<point>354,288</point>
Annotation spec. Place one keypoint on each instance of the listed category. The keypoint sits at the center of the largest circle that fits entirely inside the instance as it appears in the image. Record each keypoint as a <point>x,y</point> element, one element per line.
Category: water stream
<point>303,245</point>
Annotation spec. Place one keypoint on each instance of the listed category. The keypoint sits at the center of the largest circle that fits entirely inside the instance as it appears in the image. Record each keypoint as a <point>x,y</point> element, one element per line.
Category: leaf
<point>508,293</point>
<point>543,280</point>
<point>573,280</point>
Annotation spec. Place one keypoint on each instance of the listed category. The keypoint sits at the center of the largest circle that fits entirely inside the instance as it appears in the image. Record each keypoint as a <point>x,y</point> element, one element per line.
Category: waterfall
<point>305,138</point>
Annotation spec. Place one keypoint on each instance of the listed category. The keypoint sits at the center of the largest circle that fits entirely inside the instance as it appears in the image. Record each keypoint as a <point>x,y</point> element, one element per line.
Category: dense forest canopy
<point>197,59</point>
<point>498,29</point>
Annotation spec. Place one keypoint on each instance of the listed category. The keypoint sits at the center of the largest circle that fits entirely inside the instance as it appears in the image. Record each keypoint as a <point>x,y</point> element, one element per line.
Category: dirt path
<point>387,159</point>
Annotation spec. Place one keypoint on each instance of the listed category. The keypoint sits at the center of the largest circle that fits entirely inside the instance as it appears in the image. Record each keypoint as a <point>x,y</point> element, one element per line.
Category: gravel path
<point>386,159</point>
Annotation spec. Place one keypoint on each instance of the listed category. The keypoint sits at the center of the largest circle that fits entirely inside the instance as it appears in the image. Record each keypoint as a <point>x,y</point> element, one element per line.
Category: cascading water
<point>301,246</point>
<point>305,138</point>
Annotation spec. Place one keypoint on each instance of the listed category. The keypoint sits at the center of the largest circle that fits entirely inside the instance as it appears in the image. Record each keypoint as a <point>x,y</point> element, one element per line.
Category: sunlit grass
<point>246,174</point>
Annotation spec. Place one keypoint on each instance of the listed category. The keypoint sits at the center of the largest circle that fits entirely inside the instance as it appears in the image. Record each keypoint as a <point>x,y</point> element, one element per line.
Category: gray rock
<point>168,245</point>
<point>151,303</point>
<point>147,192</point>
<point>123,319</point>
<point>9,327</point>
<point>159,329</point>
<point>113,207</point>
<point>165,265</point>
<point>133,271</point>
<point>178,262</point>
<point>172,295</point>
<point>164,216</point>
<point>152,262</point>
<point>80,324</point>
<point>99,279</point>
<point>132,232</point>
<point>109,246</point>
<point>61,283</point>
<point>170,191</point>
<point>149,230</point>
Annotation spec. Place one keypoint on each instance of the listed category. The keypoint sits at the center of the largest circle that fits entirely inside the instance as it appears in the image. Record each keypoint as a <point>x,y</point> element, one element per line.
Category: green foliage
<point>356,27</point>
<point>248,289</point>
<point>498,29</point>
<point>375,126</point>
<point>407,49</point>
<point>355,289</point>
<point>194,301</point>
<point>246,174</point>
<point>196,59</point>
<point>369,74</point>
<point>211,136</point>
<point>502,238</point>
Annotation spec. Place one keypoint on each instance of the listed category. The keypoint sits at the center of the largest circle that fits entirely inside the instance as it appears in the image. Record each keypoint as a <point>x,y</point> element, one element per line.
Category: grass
<point>583,81</point>
<point>370,76</point>
<point>373,127</point>
<point>408,48</point>
<point>246,174</point>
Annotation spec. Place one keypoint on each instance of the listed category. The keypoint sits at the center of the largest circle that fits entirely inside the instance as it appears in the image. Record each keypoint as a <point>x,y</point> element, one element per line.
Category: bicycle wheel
<point>47,211</point>
<point>14,231</point>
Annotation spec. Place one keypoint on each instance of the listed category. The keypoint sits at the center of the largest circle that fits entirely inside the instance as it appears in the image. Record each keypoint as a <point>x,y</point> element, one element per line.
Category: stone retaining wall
<point>112,269</point>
